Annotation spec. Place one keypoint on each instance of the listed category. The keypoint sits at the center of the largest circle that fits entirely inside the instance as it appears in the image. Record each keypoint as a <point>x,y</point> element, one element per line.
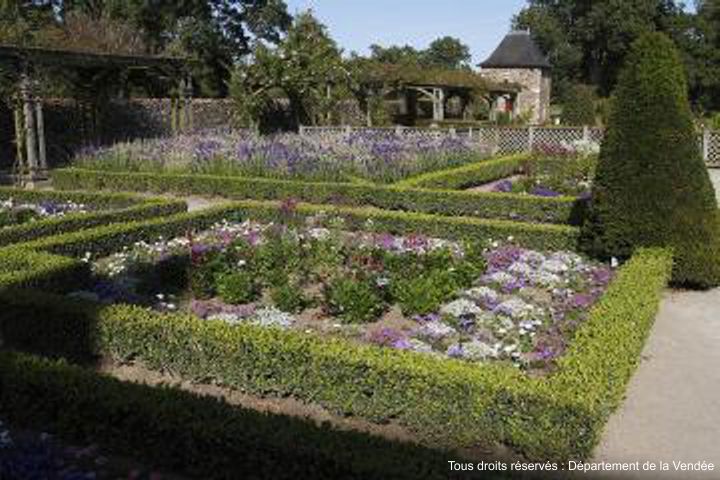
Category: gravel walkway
<point>672,409</point>
<point>715,177</point>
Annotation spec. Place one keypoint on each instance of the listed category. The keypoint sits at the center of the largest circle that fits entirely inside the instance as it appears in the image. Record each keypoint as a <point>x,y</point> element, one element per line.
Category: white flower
<point>460,308</point>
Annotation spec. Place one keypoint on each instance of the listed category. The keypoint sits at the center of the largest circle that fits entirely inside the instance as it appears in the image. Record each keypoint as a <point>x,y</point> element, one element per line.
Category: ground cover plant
<point>553,172</point>
<point>380,156</point>
<point>445,298</point>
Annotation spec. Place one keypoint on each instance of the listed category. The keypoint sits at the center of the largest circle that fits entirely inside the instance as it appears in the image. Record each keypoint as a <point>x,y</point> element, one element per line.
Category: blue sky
<point>356,24</point>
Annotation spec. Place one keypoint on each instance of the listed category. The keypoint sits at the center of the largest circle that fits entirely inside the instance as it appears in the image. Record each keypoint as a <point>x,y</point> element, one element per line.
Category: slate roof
<point>517,50</point>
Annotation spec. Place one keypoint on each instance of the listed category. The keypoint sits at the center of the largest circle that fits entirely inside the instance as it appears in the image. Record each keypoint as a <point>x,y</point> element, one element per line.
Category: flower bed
<point>14,213</point>
<point>26,215</point>
<point>554,175</point>
<point>378,156</point>
<point>411,293</point>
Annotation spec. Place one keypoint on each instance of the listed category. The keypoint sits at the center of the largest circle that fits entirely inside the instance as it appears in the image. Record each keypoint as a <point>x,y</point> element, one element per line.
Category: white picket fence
<point>505,140</point>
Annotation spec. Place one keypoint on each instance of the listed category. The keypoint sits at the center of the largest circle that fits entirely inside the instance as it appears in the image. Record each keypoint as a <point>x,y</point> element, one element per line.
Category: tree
<point>447,52</point>
<point>212,33</point>
<point>587,41</point>
<point>307,67</point>
<point>579,105</point>
<point>396,55</point>
<point>652,187</point>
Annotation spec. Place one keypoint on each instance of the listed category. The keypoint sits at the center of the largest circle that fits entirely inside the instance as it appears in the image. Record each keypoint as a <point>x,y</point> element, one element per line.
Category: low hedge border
<point>446,402</point>
<point>105,240</point>
<point>563,210</point>
<point>201,436</point>
<point>127,208</point>
<point>468,176</point>
<point>26,268</point>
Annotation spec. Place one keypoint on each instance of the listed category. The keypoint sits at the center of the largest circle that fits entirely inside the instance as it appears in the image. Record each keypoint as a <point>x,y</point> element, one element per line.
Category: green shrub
<point>353,300</point>
<point>289,297</point>
<point>423,294</point>
<point>652,187</point>
<point>237,288</point>
<point>579,106</point>
<point>468,175</point>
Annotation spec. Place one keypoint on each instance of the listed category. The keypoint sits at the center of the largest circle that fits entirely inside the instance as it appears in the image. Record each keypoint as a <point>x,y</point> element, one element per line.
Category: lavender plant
<point>377,156</point>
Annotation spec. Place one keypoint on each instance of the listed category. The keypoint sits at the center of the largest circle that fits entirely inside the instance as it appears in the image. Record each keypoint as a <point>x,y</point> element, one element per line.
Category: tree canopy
<point>445,52</point>
<point>587,41</point>
<point>213,33</point>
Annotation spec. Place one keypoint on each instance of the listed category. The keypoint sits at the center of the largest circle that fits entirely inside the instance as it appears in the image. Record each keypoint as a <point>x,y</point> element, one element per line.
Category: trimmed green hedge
<point>26,268</point>
<point>564,210</point>
<point>122,208</point>
<point>104,240</point>
<point>201,436</point>
<point>446,402</point>
<point>468,176</point>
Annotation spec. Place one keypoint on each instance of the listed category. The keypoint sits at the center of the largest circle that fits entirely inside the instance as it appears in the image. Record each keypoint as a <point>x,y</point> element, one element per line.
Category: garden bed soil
<point>138,373</point>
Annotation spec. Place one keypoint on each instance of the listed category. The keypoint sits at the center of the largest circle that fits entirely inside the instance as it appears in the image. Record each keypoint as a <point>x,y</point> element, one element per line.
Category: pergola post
<point>30,126</point>
<point>19,134</point>
<point>438,104</point>
<point>42,147</point>
<point>186,113</point>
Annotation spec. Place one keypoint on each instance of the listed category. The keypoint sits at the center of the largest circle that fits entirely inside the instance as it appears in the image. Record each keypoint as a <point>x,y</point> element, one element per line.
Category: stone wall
<point>69,126</point>
<point>533,100</point>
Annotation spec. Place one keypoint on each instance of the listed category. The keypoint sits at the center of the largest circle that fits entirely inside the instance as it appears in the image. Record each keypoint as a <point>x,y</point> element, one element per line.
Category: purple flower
<point>387,337</point>
<point>501,258</point>
<point>544,192</point>
<point>504,186</point>
<point>455,351</point>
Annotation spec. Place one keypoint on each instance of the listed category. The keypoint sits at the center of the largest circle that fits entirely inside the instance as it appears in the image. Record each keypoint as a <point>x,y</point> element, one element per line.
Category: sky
<point>356,24</point>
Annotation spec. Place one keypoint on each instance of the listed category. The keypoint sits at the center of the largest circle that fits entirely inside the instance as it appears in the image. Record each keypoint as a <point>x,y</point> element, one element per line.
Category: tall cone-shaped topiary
<point>652,187</point>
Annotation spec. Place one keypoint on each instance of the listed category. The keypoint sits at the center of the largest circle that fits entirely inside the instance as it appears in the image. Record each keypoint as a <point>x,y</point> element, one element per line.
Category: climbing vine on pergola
<point>28,75</point>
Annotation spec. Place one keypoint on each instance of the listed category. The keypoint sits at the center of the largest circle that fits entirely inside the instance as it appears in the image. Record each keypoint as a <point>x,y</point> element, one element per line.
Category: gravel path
<point>672,409</point>
<point>715,177</point>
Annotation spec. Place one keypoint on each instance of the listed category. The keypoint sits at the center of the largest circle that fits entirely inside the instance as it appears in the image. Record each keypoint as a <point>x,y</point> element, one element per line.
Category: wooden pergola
<point>435,85</point>
<point>26,62</point>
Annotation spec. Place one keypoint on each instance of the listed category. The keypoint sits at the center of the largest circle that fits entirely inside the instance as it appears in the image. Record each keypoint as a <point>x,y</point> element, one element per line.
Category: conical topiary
<point>652,187</point>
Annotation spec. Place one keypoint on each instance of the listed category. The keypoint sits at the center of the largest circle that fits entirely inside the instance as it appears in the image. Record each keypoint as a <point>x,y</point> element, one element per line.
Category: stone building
<point>519,60</point>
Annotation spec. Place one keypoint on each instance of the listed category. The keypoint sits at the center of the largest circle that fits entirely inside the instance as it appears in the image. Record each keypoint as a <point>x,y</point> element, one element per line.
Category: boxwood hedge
<point>444,200</point>
<point>200,436</point>
<point>468,176</point>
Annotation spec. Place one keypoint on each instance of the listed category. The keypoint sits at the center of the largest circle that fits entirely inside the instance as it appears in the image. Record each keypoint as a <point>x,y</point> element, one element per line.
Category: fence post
<point>453,133</point>
<point>348,130</point>
<point>531,138</point>
<point>586,134</point>
<point>301,130</point>
<point>706,145</point>
<point>398,129</point>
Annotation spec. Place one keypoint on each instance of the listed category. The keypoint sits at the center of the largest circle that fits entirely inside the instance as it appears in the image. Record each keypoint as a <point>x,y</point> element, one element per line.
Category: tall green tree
<point>587,41</point>
<point>444,52</point>
<point>447,52</point>
<point>306,67</point>
<point>396,55</point>
<point>652,187</point>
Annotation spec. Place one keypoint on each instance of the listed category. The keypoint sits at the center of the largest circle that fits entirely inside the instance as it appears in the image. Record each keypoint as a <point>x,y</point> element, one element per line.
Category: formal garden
<point>416,296</point>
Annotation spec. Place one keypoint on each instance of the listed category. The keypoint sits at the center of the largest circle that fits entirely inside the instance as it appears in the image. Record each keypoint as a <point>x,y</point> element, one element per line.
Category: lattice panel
<point>597,135</point>
<point>713,149</point>
<point>552,137</point>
